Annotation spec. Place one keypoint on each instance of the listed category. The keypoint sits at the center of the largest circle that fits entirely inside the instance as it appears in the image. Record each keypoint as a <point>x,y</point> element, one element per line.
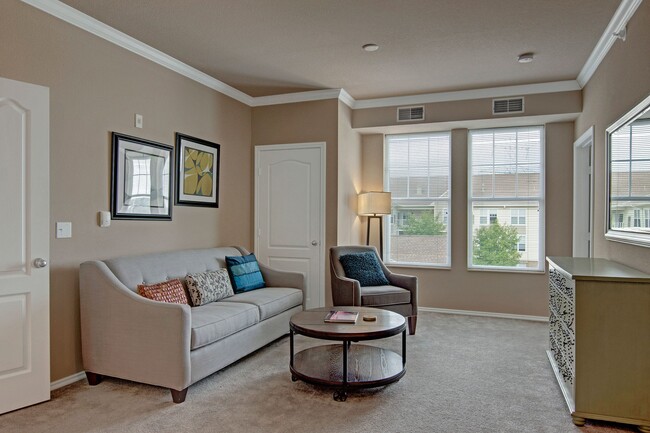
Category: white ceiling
<point>270,47</point>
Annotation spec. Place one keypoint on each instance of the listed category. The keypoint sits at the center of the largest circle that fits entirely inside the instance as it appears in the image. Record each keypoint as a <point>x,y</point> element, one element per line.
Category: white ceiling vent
<point>409,114</point>
<point>507,106</point>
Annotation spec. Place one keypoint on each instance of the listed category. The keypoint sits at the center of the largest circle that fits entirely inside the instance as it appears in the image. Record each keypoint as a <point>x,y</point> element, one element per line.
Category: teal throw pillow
<point>365,268</point>
<point>244,273</point>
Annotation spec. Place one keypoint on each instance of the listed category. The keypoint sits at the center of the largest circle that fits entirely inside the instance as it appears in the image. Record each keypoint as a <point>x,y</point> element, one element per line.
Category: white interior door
<point>583,195</point>
<point>290,212</point>
<point>24,245</point>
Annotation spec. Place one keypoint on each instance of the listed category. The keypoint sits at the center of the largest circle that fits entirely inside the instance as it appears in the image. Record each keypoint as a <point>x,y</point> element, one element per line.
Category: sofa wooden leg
<point>413,320</point>
<point>93,378</point>
<point>178,396</point>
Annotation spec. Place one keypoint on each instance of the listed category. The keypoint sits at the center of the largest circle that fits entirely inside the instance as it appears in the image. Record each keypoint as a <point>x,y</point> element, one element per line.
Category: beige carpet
<point>465,374</point>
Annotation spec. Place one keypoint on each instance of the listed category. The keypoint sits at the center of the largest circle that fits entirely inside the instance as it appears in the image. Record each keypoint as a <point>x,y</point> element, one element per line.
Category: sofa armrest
<point>408,282</point>
<point>277,278</point>
<point>128,336</point>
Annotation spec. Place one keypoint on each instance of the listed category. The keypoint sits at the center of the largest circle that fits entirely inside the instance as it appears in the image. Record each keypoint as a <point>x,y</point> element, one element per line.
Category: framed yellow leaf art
<point>197,177</point>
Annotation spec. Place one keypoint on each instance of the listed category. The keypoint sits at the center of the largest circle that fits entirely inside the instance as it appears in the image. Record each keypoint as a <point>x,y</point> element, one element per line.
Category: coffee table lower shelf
<point>367,367</point>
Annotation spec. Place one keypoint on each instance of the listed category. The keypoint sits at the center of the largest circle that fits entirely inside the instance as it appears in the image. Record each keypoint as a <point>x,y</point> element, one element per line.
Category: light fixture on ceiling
<point>370,47</point>
<point>525,58</point>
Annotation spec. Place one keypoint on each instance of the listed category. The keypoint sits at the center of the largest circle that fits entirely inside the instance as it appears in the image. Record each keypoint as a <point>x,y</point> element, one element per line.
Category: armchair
<point>401,296</point>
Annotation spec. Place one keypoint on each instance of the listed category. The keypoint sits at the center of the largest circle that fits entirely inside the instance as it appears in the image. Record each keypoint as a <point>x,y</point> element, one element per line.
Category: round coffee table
<point>347,366</point>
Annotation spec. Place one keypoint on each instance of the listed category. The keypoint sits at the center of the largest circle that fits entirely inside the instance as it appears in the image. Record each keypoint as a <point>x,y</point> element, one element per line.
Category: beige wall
<point>306,122</point>
<point>476,109</point>
<point>349,179</point>
<point>621,81</point>
<point>95,88</point>
<point>460,289</point>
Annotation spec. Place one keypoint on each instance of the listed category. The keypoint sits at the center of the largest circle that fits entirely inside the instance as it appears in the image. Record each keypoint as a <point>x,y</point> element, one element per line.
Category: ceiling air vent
<point>409,114</point>
<point>507,106</point>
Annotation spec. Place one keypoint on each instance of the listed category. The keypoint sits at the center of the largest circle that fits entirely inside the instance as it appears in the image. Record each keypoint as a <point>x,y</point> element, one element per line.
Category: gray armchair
<point>401,296</point>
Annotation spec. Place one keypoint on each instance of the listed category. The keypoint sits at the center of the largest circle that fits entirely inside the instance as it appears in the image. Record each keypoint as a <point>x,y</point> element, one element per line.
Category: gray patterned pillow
<point>206,287</point>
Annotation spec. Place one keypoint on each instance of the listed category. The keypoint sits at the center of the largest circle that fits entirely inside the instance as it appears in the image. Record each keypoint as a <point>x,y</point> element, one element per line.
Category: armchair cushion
<point>365,268</point>
<point>377,296</point>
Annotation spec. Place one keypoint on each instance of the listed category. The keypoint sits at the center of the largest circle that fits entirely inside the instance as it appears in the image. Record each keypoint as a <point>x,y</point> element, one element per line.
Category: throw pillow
<point>206,287</point>
<point>171,291</point>
<point>365,268</point>
<point>244,273</point>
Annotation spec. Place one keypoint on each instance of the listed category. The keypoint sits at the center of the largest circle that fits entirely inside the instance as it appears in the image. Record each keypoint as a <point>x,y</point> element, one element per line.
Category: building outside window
<point>417,173</point>
<point>630,177</point>
<point>518,217</point>
<point>506,198</point>
<point>521,245</point>
<point>637,218</point>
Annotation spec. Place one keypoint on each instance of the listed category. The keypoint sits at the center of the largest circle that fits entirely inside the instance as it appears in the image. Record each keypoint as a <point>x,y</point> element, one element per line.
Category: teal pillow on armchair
<point>365,268</point>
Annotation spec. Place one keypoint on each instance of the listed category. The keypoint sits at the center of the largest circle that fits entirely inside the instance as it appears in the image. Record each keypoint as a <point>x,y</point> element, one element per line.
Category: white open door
<point>24,245</point>
<point>290,212</point>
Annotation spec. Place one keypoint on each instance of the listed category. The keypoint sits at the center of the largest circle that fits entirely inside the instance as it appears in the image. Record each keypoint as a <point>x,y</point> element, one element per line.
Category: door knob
<point>40,263</point>
<point>314,243</point>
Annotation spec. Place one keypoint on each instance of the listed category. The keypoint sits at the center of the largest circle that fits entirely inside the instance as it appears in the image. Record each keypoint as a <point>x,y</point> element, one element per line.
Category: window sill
<point>638,239</point>
<point>508,271</point>
<point>415,266</point>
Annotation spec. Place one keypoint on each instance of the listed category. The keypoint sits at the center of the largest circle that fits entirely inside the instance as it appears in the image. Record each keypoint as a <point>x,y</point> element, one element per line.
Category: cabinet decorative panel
<point>599,339</point>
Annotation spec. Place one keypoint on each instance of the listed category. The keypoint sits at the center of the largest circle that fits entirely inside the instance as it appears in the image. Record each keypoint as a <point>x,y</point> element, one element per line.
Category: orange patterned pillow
<point>171,291</point>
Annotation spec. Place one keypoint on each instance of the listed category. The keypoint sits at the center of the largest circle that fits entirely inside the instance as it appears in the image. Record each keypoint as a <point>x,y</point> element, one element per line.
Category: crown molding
<point>91,25</point>
<point>618,22</point>
<point>462,95</point>
<point>290,98</point>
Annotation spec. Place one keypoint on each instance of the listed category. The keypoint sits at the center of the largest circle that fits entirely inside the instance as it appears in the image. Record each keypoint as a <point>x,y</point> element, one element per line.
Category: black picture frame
<point>197,171</point>
<point>141,179</point>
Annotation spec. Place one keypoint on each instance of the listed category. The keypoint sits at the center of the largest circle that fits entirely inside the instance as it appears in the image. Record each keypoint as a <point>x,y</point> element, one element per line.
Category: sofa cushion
<point>244,272</point>
<point>270,300</point>
<point>364,267</point>
<point>171,291</point>
<point>206,287</point>
<point>376,296</point>
<point>217,320</point>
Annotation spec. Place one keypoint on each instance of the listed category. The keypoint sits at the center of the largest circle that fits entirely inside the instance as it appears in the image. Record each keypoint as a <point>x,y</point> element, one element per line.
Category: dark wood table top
<point>312,324</point>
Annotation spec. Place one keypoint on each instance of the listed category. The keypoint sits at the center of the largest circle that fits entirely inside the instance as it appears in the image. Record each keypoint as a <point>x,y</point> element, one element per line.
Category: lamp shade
<point>374,203</point>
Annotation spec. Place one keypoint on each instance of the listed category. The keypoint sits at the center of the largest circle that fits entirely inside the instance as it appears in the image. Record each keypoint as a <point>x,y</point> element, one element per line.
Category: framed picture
<point>197,175</point>
<point>141,179</point>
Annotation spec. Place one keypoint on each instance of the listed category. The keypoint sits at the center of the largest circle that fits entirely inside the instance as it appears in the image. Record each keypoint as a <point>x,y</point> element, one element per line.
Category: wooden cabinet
<point>599,339</point>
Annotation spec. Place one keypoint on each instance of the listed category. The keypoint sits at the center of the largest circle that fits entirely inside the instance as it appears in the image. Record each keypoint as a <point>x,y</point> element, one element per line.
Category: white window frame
<point>541,267</point>
<point>520,242</point>
<point>447,208</point>
<point>518,216</point>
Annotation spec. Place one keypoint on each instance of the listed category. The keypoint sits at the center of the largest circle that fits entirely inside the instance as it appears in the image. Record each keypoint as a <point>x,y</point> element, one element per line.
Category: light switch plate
<point>63,230</point>
<point>104,218</point>
<point>138,120</point>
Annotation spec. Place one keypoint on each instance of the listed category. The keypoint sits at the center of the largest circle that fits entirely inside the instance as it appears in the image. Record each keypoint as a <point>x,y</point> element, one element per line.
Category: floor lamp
<point>375,204</point>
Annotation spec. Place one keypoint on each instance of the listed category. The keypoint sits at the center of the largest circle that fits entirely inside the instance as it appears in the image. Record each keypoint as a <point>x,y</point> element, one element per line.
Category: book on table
<point>342,316</point>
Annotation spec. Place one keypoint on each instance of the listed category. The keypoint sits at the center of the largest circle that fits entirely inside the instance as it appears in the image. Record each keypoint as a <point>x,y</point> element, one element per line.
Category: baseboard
<point>486,314</point>
<point>67,380</point>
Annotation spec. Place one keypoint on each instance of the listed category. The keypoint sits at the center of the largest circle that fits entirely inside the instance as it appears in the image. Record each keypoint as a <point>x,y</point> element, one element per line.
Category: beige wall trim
<point>617,23</point>
<point>91,25</point>
<point>67,380</point>
<point>485,314</point>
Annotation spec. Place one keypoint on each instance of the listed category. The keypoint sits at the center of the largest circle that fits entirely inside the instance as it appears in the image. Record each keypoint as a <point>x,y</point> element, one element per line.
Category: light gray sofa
<point>128,336</point>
